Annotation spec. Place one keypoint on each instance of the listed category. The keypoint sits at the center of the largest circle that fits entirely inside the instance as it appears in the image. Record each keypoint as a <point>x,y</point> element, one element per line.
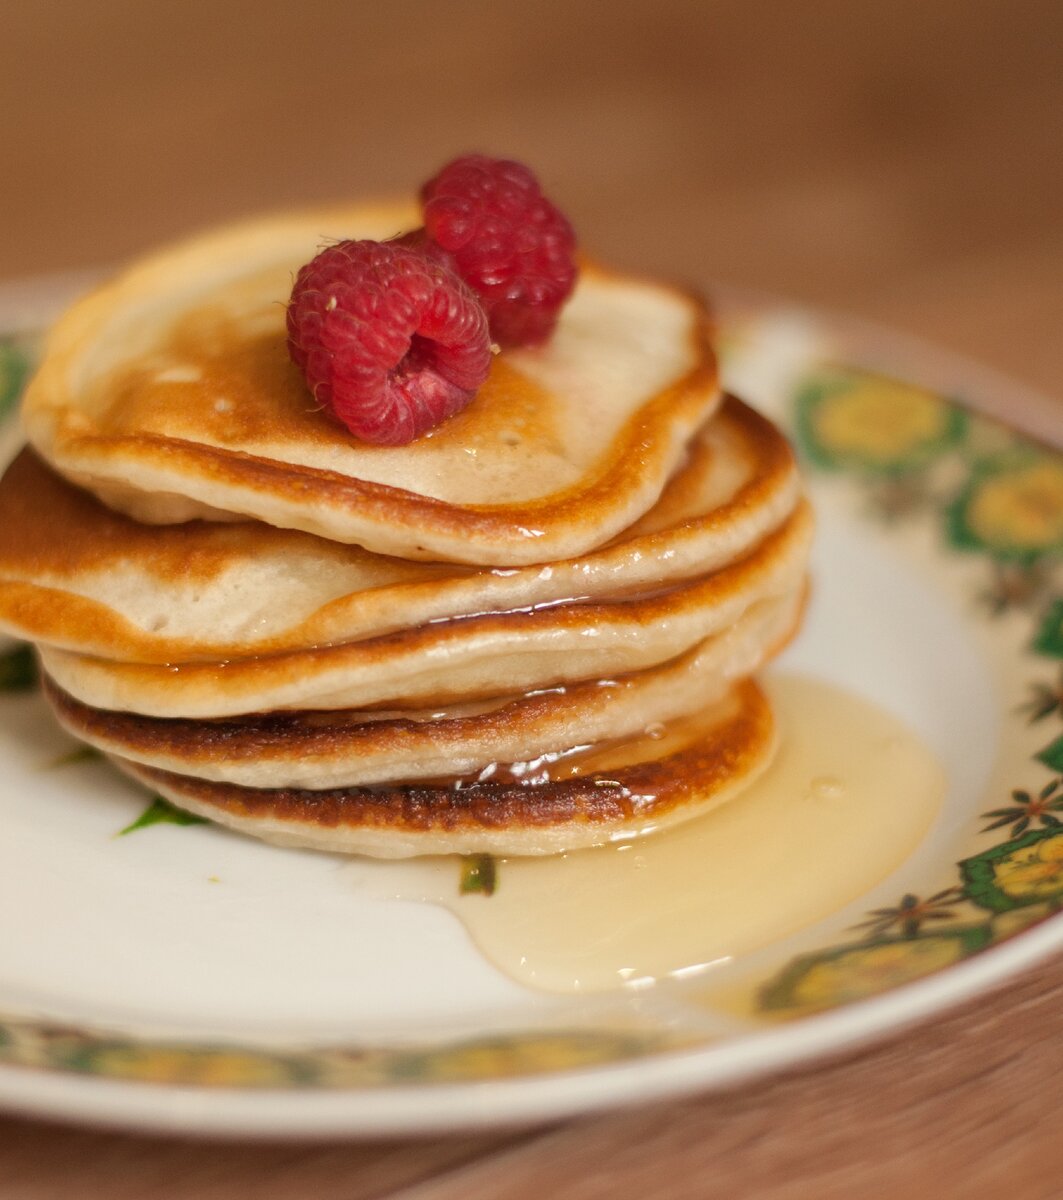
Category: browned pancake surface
<point>616,796</point>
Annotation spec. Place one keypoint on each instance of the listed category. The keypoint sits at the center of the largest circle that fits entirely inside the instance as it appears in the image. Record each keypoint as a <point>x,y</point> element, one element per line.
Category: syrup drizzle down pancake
<point>351,748</point>
<point>459,659</point>
<point>81,577</point>
<point>611,792</point>
<point>169,394</point>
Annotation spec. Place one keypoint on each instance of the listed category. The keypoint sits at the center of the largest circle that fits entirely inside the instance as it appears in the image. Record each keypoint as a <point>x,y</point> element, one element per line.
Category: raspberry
<point>506,240</point>
<point>390,340</point>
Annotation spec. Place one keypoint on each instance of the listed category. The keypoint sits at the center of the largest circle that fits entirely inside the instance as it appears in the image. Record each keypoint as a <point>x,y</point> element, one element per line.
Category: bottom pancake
<point>607,792</point>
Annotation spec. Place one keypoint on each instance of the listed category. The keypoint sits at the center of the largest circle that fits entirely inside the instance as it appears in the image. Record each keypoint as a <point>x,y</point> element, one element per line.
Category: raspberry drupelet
<point>391,341</point>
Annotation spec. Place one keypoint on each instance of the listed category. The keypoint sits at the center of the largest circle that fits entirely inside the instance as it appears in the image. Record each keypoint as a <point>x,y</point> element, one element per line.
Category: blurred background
<point>899,159</point>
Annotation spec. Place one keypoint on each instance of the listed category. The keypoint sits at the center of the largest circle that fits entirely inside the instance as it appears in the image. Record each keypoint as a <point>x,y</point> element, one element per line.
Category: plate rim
<point>425,1109</point>
<point>294,1113</point>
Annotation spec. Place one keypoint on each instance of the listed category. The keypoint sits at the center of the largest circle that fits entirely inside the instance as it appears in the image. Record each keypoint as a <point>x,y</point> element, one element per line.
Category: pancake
<point>169,394</point>
<point>616,791</point>
<point>351,748</point>
<point>470,657</point>
<point>528,631</point>
<point>81,577</point>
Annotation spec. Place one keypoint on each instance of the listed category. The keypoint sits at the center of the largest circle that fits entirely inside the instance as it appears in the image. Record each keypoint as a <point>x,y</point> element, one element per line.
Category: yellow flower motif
<point>1032,872</point>
<point>1021,508</point>
<point>520,1056</point>
<point>866,971</point>
<point>204,1069</point>
<point>880,421</point>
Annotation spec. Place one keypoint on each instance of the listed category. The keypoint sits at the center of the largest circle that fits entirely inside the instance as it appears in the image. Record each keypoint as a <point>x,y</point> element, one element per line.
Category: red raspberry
<point>391,341</point>
<point>506,240</point>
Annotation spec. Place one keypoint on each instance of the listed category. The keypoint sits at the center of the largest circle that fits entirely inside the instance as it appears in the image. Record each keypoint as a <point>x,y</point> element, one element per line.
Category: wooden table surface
<point>899,159</point>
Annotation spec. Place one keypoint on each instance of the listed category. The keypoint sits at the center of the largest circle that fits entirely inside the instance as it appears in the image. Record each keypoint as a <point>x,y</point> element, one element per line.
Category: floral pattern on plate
<point>1006,506</point>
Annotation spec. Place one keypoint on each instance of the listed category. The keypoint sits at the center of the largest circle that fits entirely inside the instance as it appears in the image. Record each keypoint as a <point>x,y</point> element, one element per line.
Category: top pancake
<point>169,394</point>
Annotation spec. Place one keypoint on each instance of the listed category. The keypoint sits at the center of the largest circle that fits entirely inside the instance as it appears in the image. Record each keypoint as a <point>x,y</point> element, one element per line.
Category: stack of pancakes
<point>530,630</point>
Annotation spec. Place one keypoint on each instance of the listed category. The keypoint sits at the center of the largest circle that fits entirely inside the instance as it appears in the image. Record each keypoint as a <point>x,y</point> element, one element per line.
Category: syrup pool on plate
<point>849,795</point>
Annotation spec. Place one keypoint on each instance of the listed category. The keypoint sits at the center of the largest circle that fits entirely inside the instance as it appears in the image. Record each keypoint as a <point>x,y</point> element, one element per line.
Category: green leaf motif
<point>1052,755</point>
<point>18,670</point>
<point>1049,639</point>
<point>161,812</point>
<point>479,873</point>
<point>77,755</point>
<point>14,367</point>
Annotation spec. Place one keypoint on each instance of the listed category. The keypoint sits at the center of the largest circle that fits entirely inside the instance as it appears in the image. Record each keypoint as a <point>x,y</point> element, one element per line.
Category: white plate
<point>183,978</point>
